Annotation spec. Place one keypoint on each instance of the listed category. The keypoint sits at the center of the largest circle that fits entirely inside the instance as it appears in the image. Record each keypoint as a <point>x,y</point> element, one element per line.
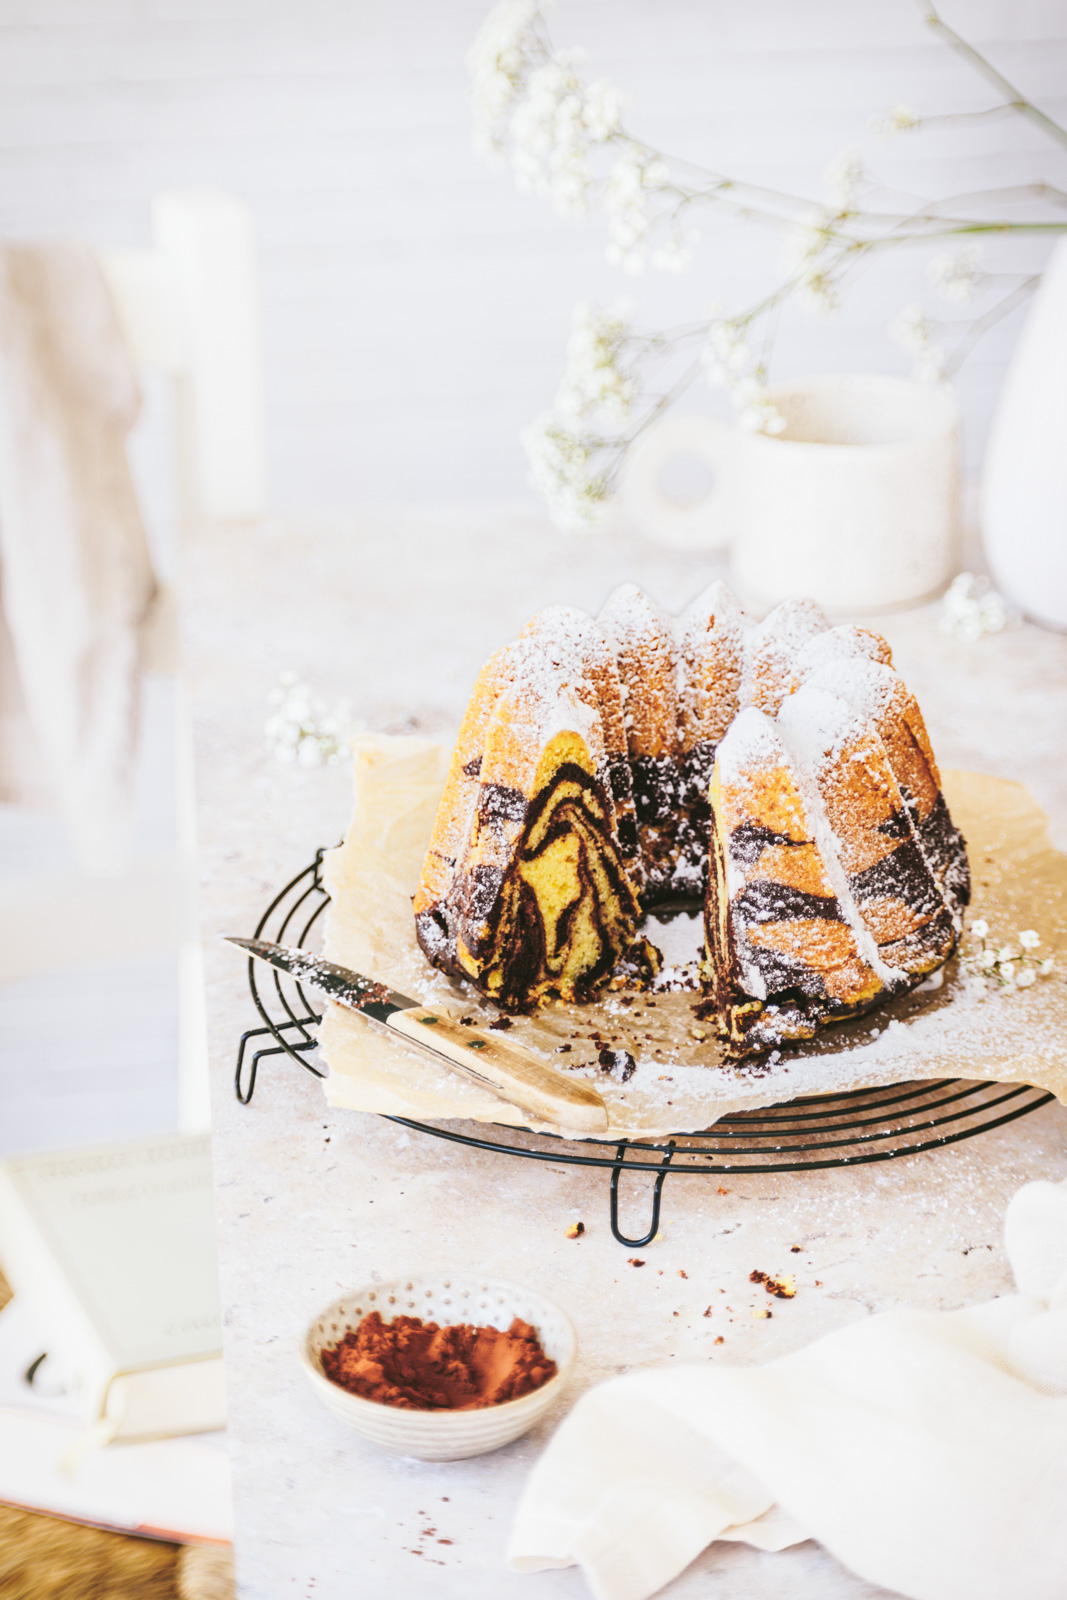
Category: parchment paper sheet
<point>1020,881</point>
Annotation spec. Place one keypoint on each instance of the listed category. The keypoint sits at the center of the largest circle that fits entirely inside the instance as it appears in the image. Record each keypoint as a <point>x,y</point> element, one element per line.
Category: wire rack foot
<point>657,1195</point>
<point>244,1090</point>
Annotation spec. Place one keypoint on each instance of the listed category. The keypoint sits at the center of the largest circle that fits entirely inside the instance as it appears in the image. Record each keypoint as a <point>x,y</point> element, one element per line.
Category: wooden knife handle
<point>510,1070</point>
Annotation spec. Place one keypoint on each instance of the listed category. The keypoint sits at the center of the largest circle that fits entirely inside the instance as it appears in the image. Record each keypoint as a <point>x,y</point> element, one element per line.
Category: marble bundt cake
<point>780,772</point>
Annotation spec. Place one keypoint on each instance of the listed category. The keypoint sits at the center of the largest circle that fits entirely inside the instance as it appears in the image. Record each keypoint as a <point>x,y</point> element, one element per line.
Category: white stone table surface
<point>396,610</point>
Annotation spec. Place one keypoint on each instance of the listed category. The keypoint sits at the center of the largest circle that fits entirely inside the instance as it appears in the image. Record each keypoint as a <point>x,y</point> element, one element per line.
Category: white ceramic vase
<point>1024,480</point>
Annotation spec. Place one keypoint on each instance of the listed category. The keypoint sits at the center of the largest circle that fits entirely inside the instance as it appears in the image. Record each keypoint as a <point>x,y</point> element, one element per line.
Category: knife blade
<point>508,1068</point>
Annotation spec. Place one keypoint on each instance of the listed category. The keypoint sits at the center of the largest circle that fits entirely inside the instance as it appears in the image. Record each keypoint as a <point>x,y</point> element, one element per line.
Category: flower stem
<point>983,324</point>
<point>1016,100</point>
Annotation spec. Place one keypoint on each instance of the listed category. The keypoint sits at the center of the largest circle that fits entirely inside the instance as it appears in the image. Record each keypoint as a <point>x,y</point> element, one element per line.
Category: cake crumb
<point>784,1287</point>
<point>795,1249</point>
<point>762,1311</point>
<point>618,1064</point>
<point>720,1339</point>
<point>576,1230</point>
<point>682,1274</point>
<point>708,1312</point>
<point>722,1190</point>
<point>635,1261</point>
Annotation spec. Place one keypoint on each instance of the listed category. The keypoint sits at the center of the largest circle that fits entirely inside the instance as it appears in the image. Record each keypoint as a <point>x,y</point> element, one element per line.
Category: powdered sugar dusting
<point>532,713</point>
<point>710,646</point>
<point>645,649</point>
<point>819,726</point>
<point>753,740</point>
<point>771,649</point>
<point>577,655</point>
<point>839,645</point>
<point>866,684</point>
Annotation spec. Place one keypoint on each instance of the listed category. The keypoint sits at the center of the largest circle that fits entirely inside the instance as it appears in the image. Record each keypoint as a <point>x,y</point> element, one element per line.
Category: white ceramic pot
<point>1024,480</point>
<point>856,504</point>
<point>441,1435</point>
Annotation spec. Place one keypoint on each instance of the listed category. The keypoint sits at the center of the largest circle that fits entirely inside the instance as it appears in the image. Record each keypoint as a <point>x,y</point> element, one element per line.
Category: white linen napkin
<point>927,1450</point>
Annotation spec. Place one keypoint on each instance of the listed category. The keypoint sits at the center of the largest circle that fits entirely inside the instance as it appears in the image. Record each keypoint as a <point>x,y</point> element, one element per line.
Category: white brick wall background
<point>416,306</point>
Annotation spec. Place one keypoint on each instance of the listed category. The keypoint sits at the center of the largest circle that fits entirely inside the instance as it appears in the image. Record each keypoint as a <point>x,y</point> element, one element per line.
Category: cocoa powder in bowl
<point>420,1366</point>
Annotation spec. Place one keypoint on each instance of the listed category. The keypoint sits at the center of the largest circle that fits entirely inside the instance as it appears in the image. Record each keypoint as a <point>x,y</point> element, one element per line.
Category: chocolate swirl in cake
<point>542,903</point>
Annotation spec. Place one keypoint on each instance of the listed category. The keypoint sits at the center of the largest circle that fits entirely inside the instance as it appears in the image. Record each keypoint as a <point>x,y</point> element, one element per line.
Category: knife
<point>511,1071</point>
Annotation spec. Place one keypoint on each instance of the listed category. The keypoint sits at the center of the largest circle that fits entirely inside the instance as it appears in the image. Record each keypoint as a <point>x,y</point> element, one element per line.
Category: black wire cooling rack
<point>827,1130</point>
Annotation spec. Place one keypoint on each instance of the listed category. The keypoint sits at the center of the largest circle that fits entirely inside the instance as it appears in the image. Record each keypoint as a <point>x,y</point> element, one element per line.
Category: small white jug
<point>856,503</point>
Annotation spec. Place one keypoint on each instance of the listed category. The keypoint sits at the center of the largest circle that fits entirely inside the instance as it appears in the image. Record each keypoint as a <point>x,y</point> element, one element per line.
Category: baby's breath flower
<point>761,416</point>
<point>677,253</point>
<point>302,730</point>
<point>731,364</point>
<point>562,472</point>
<point>820,293</point>
<point>844,176</point>
<point>602,111</point>
<point>498,61</point>
<point>911,330</point>
<point>1046,967</point>
<point>593,379</point>
<point>552,127</point>
<point>809,248</point>
<point>990,965</point>
<point>899,119</point>
<point>929,366</point>
<point>957,275</point>
<point>809,239</point>
<point>633,178</point>
<point>970,608</point>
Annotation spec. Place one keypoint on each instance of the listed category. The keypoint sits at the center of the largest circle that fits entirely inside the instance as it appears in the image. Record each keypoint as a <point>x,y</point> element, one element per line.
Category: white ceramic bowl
<point>441,1435</point>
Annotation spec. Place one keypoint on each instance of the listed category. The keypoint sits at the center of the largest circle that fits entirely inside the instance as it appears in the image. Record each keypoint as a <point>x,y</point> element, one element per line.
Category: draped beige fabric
<point>76,577</point>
